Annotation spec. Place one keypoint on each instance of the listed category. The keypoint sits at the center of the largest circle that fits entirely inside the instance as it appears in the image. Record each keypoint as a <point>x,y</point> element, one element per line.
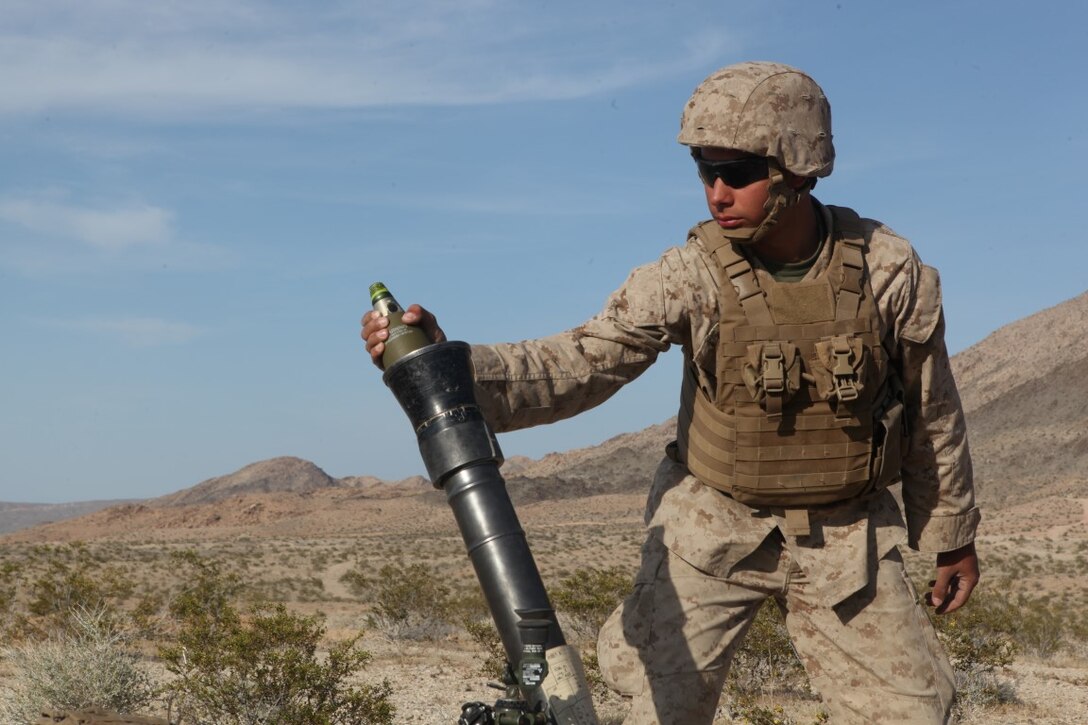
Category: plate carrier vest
<point>807,409</point>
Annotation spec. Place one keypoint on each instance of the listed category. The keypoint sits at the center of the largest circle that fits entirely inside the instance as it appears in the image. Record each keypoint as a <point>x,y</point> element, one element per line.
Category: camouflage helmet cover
<point>767,109</point>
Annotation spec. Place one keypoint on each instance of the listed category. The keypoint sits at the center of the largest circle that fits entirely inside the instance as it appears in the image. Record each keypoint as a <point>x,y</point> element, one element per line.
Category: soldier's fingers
<point>375,324</point>
<point>961,592</point>
<point>376,349</point>
<point>435,333</point>
<point>953,594</point>
<point>418,315</point>
<point>940,590</point>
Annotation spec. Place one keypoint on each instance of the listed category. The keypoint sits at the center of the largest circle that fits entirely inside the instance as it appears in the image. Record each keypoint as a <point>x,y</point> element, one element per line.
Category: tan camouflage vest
<point>807,409</point>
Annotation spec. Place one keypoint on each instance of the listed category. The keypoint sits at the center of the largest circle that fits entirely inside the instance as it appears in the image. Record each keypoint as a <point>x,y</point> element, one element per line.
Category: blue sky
<point>195,196</point>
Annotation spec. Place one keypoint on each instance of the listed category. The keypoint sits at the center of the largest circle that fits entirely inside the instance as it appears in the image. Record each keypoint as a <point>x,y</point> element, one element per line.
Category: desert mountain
<point>283,474</point>
<point>1025,393</point>
<point>1029,349</point>
<point>622,464</point>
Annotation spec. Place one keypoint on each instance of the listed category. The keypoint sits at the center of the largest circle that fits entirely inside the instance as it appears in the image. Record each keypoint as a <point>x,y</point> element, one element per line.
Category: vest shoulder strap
<point>738,271</point>
<point>850,238</point>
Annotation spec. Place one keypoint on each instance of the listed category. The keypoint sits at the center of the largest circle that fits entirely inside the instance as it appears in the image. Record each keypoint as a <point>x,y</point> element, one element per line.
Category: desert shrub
<point>355,580</point>
<point>766,661</point>
<point>589,595</point>
<point>979,640</point>
<point>492,659</point>
<point>9,576</point>
<point>408,602</point>
<point>747,710</point>
<point>980,635</point>
<point>146,616</point>
<point>1042,627</point>
<point>73,579</point>
<point>764,665</point>
<point>84,664</point>
<point>261,667</point>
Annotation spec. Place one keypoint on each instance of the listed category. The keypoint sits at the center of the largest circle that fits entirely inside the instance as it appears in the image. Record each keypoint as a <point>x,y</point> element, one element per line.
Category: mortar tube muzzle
<point>434,386</point>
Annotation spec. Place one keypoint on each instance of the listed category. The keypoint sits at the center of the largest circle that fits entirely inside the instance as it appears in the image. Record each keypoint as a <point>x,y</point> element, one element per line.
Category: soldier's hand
<point>957,575</point>
<point>374,331</point>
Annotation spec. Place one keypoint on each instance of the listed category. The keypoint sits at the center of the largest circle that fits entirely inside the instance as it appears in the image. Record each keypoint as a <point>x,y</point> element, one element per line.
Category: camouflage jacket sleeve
<point>540,381</point>
<point>938,492</point>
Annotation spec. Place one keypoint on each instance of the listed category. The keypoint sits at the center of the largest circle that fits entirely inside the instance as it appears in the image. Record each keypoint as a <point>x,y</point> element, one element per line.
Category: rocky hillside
<point>623,464</point>
<point>1022,351</point>
<point>1026,400</point>
<point>284,474</point>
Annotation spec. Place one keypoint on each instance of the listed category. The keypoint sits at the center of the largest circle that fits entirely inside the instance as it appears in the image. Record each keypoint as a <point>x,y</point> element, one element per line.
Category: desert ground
<point>297,547</point>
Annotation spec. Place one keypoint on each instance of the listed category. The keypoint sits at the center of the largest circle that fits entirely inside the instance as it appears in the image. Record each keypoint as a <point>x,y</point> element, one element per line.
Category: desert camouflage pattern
<point>840,569</point>
<point>767,109</point>
<point>873,659</point>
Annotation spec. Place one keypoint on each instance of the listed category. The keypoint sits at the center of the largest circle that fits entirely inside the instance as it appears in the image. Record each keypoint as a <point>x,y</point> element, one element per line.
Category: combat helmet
<point>766,109</point>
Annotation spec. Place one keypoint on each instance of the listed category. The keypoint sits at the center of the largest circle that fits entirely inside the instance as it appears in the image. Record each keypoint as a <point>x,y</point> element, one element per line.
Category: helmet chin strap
<point>780,196</point>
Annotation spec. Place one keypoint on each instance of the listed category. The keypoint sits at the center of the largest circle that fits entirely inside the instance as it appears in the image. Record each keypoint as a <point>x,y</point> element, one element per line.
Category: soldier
<point>815,376</point>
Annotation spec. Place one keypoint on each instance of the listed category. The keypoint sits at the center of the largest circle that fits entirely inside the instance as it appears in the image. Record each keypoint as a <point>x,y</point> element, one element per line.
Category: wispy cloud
<point>48,234</point>
<point>194,57</point>
<point>101,228</point>
<point>135,331</point>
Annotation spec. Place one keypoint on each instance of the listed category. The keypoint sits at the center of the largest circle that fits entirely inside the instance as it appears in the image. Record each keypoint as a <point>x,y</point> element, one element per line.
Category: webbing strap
<point>809,452</point>
<point>799,482</point>
<point>711,422</point>
<point>740,274</point>
<point>849,252</point>
<point>701,448</point>
<point>849,233</point>
<point>760,424</point>
<point>853,277</point>
<point>797,523</point>
<point>812,331</point>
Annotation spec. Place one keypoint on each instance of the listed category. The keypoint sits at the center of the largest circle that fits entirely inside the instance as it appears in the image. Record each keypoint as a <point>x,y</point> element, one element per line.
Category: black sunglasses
<point>735,174</point>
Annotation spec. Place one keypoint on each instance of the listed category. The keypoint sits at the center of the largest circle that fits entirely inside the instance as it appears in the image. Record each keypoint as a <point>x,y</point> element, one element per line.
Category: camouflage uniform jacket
<point>675,301</point>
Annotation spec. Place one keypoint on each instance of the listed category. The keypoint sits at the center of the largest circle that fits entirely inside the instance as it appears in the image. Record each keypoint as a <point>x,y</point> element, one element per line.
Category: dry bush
<point>74,577</point>
<point>765,665</point>
<point>766,661</point>
<point>408,602</point>
<point>483,633</point>
<point>261,667</point>
<point>9,573</point>
<point>84,664</point>
<point>588,595</point>
<point>981,640</point>
<point>39,594</point>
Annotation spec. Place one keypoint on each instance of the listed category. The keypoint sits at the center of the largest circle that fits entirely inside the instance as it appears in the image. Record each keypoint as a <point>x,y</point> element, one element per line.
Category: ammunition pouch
<point>838,369</point>
<point>772,375</point>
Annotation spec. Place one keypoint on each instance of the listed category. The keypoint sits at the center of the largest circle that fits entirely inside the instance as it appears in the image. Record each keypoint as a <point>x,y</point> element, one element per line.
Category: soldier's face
<point>735,207</point>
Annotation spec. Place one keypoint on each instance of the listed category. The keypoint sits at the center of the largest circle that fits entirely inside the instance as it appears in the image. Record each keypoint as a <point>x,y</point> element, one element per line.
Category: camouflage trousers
<point>874,658</point>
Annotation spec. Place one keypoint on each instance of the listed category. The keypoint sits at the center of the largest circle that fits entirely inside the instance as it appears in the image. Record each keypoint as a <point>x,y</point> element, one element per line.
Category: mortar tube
<point>435,388</point>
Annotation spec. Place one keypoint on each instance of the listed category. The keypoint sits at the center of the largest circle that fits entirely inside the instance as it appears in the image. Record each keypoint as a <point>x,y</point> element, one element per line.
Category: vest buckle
<point>846,378</point>
<point>774,370</point>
